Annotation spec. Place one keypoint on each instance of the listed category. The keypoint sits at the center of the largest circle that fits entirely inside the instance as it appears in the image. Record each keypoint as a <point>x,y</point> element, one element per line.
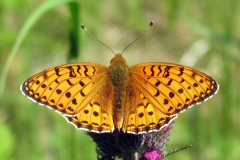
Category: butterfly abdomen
<point>119,79</point>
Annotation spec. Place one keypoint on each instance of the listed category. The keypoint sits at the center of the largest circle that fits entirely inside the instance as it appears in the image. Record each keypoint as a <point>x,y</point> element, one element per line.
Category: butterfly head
<point>118,59</point>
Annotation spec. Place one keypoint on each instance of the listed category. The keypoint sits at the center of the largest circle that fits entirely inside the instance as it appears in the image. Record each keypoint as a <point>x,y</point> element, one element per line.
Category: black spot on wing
<point>157,83</point>
<point>37,82</point>
<point>195,85</point>
<point>144,71</point>
<point>169,82</point>
<point>171,94</point>
<point>181,71</point>
<point>56,81</point>
<point>160,70</point>
<point>57,71</point>
<point>96,103</point>
<point>165,101</point>
<point>60,105</point>
<point>74,101</point>
<point>94,70</point>
<point>180,90</point>
<point>140,115</point>
<point>43,85</point>
<point>81,83</point>
<point>140,104</point>
<point>152,71</point>
<point>68,94</point>
<point>95,113</point>
<point>166,71</point>
<point>150,113</point>
<point>69,82</point>
<point>86,70</point>
<point>59,91</point>
<point>157,93</point>
<point>182,80</point>
<point>78,70</point>
<point>71,72</point>
<point>82,94</point>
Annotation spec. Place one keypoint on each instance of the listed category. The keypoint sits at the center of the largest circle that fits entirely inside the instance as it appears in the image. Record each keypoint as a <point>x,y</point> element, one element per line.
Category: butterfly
<point>137,99</point>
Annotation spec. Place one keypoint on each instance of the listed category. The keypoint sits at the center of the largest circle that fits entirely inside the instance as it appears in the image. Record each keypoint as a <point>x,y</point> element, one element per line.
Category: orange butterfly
<point>137,99</point>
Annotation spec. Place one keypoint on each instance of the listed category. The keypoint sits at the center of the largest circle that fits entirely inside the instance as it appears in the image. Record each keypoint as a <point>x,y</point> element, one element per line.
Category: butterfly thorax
<point>119,79</point>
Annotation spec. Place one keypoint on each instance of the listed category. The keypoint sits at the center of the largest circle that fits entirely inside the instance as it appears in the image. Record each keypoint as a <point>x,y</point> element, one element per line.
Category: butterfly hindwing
<point>93,118</point>
<point>96,116</point>
<point>142,116</point>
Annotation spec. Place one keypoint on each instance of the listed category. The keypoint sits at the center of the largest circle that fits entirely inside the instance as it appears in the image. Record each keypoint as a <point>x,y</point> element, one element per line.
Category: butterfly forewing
<point>172,88</point>
<point>164,90</point>
<point>73,89</point>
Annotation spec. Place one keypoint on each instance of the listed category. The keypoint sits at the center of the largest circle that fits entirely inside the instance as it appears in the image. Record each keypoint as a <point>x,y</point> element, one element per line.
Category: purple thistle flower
<point>148,146</point>
<point>156,142</point>
<point>153,154</point>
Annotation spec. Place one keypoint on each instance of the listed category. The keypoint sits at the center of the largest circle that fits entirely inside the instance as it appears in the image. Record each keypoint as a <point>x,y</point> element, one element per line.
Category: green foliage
<point>39,34</point>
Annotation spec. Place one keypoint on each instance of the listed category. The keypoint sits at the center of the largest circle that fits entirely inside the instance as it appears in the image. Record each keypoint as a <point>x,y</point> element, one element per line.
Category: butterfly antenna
<point>151,23</point>
<point>83,27</point>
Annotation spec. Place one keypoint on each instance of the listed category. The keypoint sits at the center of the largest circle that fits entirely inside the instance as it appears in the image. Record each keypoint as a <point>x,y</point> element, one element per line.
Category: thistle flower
<point>148,146</point>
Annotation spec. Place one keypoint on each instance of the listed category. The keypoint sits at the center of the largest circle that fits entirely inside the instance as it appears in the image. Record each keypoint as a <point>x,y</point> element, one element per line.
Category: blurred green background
<point>202,34</point>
